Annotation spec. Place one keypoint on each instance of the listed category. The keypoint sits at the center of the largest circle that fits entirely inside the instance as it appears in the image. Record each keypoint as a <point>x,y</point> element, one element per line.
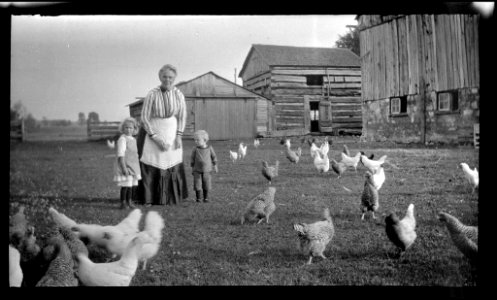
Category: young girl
<point>203,161</point>
<point>127,166</point>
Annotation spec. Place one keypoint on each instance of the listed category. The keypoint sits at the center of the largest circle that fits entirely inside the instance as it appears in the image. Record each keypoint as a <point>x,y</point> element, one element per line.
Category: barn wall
<point>255,66</point>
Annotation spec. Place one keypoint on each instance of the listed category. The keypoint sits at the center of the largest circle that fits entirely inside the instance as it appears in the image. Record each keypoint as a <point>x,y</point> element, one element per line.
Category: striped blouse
<point>156,106</point>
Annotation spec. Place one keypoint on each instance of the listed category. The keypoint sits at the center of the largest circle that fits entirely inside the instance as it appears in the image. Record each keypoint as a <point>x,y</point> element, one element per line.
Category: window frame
<point>402,106</point>
<point>453,101</point>
<point>310,79</point>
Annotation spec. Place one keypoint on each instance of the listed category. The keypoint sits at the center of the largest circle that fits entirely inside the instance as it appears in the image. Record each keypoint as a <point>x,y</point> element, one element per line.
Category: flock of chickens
<point>67,259</point>
<point>315,237</point>
<point>64,260</point>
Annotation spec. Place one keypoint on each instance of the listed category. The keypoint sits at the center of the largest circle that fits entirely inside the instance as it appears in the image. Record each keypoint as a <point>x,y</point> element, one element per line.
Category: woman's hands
<point>159,140</point>
<point>178,142</point>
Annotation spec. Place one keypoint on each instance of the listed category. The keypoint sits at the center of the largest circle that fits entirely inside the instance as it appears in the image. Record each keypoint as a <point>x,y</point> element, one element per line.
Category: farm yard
<point>205,244</point>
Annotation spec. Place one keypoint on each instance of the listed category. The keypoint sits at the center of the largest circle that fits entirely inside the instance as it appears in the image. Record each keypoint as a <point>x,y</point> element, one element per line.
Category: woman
<point>163,120</point>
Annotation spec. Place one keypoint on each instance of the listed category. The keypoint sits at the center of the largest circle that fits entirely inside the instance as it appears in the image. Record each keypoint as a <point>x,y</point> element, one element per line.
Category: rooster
<point>233,156</point>
<point>113,238</point>
<point>402,233</point>
<point>379,178</point>
<point>242,150</point>
<point>372,165</point>
<point>338,167</point>
<point>154,224</point>
<point>293,156</point>
<point>260,207</point>
<point>322,162</point>
<point>111,144</point>
<point>270,172</point>
<point>116,273</point>
<point>369,198</point>
<point>314,237</point>
<point>15,271</point>
<point>464,237</point>
<point>471,175</point>
<point>256,143</point>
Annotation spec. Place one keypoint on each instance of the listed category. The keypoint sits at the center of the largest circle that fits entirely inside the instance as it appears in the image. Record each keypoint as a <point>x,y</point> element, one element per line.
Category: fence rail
<point>17,130</point>
<point>102,130</point>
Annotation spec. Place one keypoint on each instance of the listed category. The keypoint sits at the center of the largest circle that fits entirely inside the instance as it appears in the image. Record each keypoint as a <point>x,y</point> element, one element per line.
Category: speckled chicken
<point>464,237</point>
<point>270,172</point>
<point>314,237</point>
<point>61,269</point>
<point>116,273</point>
<point>370,197</point>
<point>471,175</point>
<point>402,233</point>
<point>260,207</point>
<point>15,271</point>
<point>338,167</point>
<point>293,156</point>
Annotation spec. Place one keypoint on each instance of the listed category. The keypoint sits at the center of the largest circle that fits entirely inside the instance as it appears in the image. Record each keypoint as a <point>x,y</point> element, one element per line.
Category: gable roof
<point>274,55</point>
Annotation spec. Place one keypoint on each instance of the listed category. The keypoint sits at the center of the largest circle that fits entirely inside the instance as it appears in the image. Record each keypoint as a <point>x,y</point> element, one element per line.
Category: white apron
<point>152,155</point>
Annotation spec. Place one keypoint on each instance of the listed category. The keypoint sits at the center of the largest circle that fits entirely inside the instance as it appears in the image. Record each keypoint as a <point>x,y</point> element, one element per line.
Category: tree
<point>81,118</point>
<point>18,111</point>
<point>30,122</point>
<point>350,40</point>
<point>93,117</point>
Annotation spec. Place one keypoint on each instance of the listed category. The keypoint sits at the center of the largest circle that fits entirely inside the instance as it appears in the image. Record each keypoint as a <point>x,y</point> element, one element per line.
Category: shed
<point>420,77</point>
<point>222,108</point>
<point>312,89</point>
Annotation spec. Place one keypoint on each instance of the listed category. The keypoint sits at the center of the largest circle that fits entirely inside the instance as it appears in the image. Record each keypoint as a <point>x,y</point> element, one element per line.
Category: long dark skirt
<point>159,187</point>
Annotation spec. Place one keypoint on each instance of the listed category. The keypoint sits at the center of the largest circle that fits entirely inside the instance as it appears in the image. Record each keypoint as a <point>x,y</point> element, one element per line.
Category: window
<point>398,105</point>
<point>314,79</point>
<point>447,101</point>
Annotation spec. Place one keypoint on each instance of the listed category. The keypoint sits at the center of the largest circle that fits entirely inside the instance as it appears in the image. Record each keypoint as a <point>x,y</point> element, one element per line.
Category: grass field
<point>204,244</point>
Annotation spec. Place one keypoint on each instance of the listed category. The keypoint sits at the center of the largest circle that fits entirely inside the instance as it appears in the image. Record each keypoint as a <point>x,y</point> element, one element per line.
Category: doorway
<point>314,111</point>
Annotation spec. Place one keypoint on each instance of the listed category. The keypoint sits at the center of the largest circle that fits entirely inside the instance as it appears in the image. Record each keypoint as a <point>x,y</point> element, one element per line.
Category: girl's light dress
<point>126,147</point>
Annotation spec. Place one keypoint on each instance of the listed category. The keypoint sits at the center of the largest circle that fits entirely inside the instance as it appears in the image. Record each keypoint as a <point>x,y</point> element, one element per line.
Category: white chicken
<point>372,165</point>
<point>293,156</point>
<point>325,147</point>
<point>260,207</point>
<point>314,149</point>
<point>351,161</point>
<point>61,219</point>
<point>471,175</point>
<point>111,144</point>
<point>242,150</point>
<point>15,271</point>
<point>402,233</point>
<point>346,150</point>
<point>369,197</point>
<point>379,178</point>
<point>233,156</point>
<point>256,143</point>
<point>322,162</point>
<point>314,237</point>
<point>113,238</point>
<point>116,273</point>
<point>154,224</point>
<point>464,237</point>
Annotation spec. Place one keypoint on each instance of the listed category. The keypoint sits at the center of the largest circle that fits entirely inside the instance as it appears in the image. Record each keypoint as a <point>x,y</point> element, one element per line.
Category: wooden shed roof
<point>274,55</point>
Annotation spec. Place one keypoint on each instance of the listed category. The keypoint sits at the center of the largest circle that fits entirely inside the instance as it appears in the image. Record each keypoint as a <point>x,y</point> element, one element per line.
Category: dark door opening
<point>314,111</point>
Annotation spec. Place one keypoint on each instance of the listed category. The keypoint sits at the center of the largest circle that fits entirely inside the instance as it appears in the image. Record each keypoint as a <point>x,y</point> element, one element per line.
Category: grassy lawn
<point>204,244</point>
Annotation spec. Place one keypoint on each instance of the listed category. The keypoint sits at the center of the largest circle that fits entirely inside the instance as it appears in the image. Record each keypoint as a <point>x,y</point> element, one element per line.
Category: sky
<point>64,65</point>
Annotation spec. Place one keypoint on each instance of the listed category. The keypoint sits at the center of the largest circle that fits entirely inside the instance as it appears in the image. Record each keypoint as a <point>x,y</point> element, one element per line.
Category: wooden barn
<point>311,89</point>
<point>222,108</point>
<point>420,77</point>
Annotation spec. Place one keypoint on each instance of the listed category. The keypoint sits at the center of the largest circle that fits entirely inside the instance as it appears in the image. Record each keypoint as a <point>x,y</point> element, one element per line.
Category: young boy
<point>203,161</point>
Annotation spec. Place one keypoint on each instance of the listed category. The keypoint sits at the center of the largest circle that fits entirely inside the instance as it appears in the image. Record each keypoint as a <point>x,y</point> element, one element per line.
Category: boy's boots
<point>129,197</point>
<point>123,198</point>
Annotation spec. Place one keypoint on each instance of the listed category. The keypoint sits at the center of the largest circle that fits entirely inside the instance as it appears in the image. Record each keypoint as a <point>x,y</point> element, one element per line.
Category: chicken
<point>15,271</point>
<point>346,150</point>
<point>464,237</point>
<point>351,161</point>
<point>154,224</point>
<point>113,238</point>
<point>26,245</point>
<point>111,144</point>
<point>314,237</point>
<point>471,175</point>
<point>242,150</point>
<point>18,225</point>
<point>233,156</point>
<point>322,162</point>
<point>270,172</point>
<point>314,149</point>
<point>402,233</point>
<point>60,271</point>
<point>61,219</point>
<point>293,156</point>
<point>260,207</point>
<point>73,242</point>
<point>372,165</point>
<point>369,198</point>
<point>325,147</point>
<point>116,273</point>
<point>256,143</point>
<point>379,178</point>
<point>338,167</point>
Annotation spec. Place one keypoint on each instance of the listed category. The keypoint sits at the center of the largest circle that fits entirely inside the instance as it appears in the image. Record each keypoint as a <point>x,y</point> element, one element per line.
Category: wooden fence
<point>17,130</point>
<point>102,130</point>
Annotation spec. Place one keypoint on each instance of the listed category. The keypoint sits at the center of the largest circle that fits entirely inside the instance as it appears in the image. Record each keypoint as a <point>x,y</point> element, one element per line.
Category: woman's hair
<point>132,121</point>
<point>168,67</point>
<point>201,134</point>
